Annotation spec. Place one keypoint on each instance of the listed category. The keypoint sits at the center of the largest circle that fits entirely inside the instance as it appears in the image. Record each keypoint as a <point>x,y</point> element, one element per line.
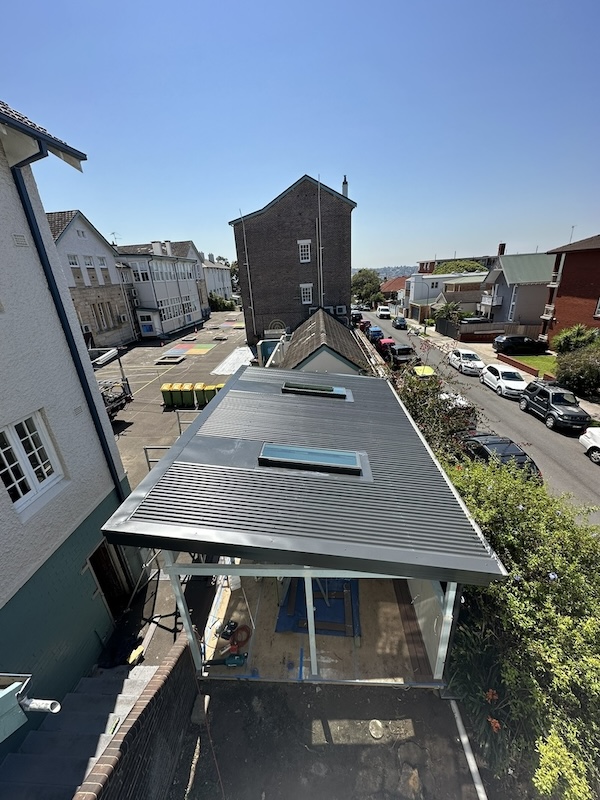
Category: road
<point>561,458</point>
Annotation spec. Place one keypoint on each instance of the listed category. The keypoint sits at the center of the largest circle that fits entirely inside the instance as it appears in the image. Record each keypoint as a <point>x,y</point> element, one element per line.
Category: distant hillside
<point>387,273</point>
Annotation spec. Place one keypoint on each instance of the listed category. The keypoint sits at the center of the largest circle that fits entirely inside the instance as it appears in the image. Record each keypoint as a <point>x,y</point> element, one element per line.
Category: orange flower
<point>491,695</point>
<point>495,725</point>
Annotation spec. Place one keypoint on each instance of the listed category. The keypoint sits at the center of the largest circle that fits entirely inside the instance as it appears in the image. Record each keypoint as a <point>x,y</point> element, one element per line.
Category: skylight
<point>310,458</point>
<point>314,388</point>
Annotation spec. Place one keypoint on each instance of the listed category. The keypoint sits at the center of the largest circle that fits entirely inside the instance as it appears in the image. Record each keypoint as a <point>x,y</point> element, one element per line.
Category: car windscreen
<point>505,449</point>
<point>470,357</point>
<point>511,376</point>
<point>564,399</point>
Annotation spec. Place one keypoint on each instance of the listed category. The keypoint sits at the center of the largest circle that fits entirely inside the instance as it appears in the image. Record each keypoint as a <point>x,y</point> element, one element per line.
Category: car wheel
<point>594,454</point>
<point>481,380</point>
<point>523,404</point>
<point>499,391</point>
<point>460,368</point>
<point>550,421</point>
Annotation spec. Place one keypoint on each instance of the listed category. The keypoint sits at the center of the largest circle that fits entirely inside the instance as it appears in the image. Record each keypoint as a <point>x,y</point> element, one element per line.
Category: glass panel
<point>313,388</point>
<point>307,457</point>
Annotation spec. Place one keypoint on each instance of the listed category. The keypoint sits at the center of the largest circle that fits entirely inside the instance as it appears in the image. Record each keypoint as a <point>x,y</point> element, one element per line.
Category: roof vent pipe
<point>157,248</point>
<point>345,187</point>
<point>501,248</point>
<point>168,247</point>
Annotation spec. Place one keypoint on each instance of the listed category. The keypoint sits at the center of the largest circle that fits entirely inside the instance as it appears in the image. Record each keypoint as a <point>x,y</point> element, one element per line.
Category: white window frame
<point>30,445</point>
<point>101,261</point>
<point>80,233</point>
<point>304,250</point>
<point>88,261</point>
<point>73,260</point>
<point>306,294</point>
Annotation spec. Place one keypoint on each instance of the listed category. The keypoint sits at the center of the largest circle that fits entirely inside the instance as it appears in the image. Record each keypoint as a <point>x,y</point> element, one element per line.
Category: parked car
<point>364,307</point>
<point>473,320</point>
<point>460,414</point>
<point>383,346</point>
<point>465,361</point>
<point>425,372</point>
<point>518,345</point>
<point>499,449</point>
<point>505,381</point>
<point>400,323</point>
<point>383,312</point>
<point>558,407</point>
<point>374,332</point>
<point>401,355</point>
<point>355,317</point>
<point>364,325</point>
<point>590,439</point>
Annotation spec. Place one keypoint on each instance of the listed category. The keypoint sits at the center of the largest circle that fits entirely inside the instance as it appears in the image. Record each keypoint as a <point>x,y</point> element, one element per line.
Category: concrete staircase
<point>53,761</point>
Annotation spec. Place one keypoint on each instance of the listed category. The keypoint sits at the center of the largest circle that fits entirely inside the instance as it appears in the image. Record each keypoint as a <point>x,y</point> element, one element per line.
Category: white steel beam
<point>447,619</point>
<point>269,570</point>
<point>183,610</point>
<point>310,616</point>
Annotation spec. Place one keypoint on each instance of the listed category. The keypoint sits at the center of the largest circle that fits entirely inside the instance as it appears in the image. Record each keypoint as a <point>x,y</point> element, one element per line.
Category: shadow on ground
<point>263,741</point>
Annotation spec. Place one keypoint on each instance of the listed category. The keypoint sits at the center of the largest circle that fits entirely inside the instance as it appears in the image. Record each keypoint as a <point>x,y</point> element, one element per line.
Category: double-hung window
<point>304,250</point>
<point>28,463</point>
<point>306,293</point>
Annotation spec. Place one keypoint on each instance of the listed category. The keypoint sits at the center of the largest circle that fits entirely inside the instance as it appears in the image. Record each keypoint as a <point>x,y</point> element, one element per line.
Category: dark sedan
<point>501,450</point>
<point>400,323</point>
<point>518,345</point>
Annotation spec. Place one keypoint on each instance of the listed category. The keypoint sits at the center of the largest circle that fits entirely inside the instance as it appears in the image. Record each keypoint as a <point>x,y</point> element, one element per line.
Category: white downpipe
<point>248,274</point>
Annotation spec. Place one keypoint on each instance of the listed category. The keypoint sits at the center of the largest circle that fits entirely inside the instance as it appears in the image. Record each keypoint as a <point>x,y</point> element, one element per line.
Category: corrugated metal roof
<point>400,517</point>
<point>529,268</point>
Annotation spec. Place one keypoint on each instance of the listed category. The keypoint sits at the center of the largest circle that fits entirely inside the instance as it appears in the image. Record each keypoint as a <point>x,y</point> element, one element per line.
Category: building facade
<point>61,586</point>
<point>217,276</point>
<point>574,287</point>
<point>100,289</point>
<point>294,256</point>
<point>167,287</point>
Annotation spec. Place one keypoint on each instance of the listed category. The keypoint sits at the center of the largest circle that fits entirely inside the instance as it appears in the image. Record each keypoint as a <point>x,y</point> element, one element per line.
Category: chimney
<point>501,248</point>
<point>202,256</point>
<point>168,247</point>
<point>211,257</point>
<point>345,187</point>
<point>156,248</point>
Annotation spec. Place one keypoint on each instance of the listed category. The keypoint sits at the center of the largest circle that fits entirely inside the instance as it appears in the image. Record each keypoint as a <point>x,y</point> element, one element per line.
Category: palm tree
<point>451,311</point>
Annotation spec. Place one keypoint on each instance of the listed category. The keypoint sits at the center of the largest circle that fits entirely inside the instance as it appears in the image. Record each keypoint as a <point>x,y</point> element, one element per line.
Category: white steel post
<point>183,610</point>
<point>310,616</point>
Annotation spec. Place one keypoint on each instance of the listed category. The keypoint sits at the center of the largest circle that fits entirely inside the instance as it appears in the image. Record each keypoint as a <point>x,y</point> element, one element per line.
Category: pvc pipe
<point>45,706</point>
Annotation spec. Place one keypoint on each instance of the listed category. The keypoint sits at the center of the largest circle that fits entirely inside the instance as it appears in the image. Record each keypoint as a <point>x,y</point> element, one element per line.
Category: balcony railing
<point>548,312</point>
<point>491,301</point>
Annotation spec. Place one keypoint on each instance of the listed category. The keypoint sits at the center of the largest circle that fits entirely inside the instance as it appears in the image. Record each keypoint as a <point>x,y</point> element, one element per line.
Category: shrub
<point>217,303</point>
<point>574,338</point>
<point>579,370</point>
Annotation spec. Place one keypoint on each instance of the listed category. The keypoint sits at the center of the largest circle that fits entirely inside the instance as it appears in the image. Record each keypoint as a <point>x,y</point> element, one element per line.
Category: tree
<point>459,265</point>
<point>574,338</point>
<point>451,311</point>
<point>365,285</point>
<point>526,656</point>
<point>235,273</point>
<point>579,370</point>
<point>222,260</point>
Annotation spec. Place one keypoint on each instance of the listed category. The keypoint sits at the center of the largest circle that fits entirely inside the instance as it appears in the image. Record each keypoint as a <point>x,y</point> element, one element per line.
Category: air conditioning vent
<point>329,309</point>
<point>136,303</point>
<point>339,310</point>
<point>123,318</point>
<point>134,292</point>
<point>312,309</point>
<point>86,329</point>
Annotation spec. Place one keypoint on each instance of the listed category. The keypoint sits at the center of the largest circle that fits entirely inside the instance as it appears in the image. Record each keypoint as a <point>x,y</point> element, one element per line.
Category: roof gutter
<point>62,315</point>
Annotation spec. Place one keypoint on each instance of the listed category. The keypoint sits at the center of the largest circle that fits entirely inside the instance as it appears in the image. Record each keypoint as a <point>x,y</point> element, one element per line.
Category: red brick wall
<point>275,269</point>
<point>579,291</point>
<point>140,762</point>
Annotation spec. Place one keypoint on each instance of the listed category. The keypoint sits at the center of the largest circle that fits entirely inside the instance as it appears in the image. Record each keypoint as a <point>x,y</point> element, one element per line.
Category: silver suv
<point>558,407</point>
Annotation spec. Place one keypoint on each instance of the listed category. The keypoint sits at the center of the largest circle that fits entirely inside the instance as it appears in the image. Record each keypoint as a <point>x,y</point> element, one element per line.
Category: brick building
<point>294,257</point>
<point>574,288</point>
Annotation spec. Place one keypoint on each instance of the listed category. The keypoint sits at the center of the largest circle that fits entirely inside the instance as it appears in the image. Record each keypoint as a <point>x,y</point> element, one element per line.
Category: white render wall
<point>91,245</point>
<point>218,279</point>
<point>38,374</point>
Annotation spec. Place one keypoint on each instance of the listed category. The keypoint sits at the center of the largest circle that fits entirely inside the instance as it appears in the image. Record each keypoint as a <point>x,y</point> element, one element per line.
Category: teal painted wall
<point>54,627</point>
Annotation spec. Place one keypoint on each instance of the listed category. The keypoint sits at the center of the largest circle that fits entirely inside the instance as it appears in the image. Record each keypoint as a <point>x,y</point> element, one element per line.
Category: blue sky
<point>459,124</point>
